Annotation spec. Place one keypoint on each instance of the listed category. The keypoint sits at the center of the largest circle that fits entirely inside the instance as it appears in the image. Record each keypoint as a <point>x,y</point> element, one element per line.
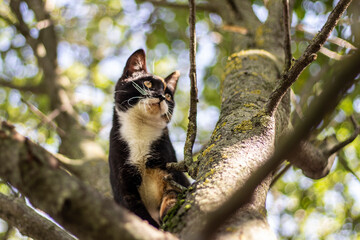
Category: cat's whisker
<point>128,101</point>
<point>139,89</point>
<point>169,116</point>
<point>119,91</point>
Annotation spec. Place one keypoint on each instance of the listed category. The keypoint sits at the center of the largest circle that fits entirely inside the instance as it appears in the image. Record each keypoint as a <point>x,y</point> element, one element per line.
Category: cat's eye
<point>148,84</point>
<point>168,96</point>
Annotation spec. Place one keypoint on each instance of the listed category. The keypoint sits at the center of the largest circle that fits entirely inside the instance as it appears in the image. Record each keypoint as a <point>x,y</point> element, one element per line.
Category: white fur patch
<point>141,125</point>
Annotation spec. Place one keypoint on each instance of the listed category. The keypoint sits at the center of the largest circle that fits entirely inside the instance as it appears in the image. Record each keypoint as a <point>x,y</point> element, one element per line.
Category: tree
<point>56,54</point>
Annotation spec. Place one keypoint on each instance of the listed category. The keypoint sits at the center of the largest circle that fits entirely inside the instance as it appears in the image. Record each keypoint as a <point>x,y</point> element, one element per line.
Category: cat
<point>140,145</point>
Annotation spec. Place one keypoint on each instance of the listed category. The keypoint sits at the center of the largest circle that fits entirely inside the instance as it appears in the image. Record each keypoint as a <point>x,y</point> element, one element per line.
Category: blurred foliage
<point>97,36</point>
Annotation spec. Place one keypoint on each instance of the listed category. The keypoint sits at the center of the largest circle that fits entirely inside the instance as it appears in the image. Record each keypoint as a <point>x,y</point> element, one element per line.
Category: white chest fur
<point>140,129</point>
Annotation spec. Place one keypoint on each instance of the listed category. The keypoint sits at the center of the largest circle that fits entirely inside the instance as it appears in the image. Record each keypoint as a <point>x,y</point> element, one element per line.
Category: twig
<point>44,119</point>
<point>287,37</point>
<point>163,3</point>
<point>321,106</point>
<point>174,184</point>
<point>341,145</point>
<point>308,56</point>
<point>191,132</point>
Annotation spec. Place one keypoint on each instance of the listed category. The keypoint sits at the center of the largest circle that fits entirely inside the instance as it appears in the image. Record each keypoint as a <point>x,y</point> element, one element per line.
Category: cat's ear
<point>135,63</point>
<point>171,80</point>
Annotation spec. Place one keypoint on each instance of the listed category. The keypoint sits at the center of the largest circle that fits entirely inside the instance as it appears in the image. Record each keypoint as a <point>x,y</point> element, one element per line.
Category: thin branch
<point>28,222</point>
<point>321,106</point>
<point>289,77</point>
<point>162,3</point>
<point>287,37</point>
<point>44,119</point>
<point>191,132</point>
<point>341,145</point>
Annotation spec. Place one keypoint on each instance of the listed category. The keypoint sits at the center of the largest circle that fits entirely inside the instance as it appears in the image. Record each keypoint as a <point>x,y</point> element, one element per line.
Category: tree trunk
<point>243,139</point>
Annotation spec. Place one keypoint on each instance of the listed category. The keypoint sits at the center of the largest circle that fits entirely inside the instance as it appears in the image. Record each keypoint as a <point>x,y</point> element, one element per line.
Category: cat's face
<point>150,95</point>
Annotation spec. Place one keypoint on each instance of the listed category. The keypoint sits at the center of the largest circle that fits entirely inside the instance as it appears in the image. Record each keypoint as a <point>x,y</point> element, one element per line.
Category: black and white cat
<point>140,145</point>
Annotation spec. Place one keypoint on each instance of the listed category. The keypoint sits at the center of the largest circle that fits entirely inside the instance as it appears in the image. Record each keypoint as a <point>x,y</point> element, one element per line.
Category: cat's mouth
<point>155,106</point>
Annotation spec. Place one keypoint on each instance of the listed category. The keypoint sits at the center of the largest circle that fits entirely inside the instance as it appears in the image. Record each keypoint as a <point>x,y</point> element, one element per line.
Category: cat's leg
<point>131,198</point>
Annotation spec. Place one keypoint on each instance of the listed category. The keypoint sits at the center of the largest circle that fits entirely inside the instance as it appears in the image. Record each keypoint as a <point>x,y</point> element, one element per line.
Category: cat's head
<point>152,95</point>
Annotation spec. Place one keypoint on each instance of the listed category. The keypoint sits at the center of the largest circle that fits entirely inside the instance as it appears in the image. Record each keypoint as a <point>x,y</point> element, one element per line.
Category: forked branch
<point>289,77</point>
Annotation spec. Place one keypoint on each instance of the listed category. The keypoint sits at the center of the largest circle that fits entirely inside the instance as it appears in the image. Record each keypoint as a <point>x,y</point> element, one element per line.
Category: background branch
<point>44,119</point>
<point>163,3</point>
<point>307,57</point>
<point>31,88</point>
<point>333,39</point>
<point>341,145</point>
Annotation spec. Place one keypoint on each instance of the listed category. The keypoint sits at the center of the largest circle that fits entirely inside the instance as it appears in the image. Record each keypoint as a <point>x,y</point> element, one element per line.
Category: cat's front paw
<point>168,201</point>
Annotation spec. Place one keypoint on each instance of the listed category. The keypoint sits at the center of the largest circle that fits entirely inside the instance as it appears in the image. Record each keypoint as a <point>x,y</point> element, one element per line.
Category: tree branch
<point>28,222</point>
<point>321,106</point>
<point>73,204</point>
<point>191,132</point>
<point>289,77</point>
<point>31,88</point>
